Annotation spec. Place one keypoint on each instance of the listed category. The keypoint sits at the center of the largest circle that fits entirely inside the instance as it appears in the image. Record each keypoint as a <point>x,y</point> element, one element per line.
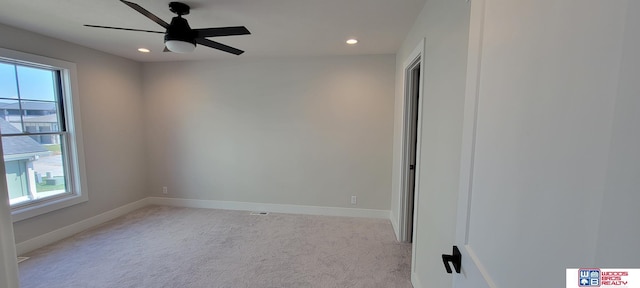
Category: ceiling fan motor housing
<point>179,30</point>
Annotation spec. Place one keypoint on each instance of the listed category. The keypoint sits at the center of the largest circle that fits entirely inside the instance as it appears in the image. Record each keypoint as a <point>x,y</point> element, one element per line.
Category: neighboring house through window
<point>20,155</point>
<point>41,141</point>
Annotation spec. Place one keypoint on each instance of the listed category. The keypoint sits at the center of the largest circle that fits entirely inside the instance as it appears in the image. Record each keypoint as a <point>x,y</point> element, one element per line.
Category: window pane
<point>8,88</point>
<point>40,117</point>
<point>10,120</point>
<point>36,84</point>
<point>34,170</point>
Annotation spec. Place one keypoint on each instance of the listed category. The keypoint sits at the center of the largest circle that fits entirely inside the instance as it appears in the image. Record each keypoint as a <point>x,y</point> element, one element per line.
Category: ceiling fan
<point>179,37</point>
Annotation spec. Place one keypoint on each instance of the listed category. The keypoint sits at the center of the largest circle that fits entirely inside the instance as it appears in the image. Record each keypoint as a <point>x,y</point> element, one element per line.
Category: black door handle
<point>455,259</point>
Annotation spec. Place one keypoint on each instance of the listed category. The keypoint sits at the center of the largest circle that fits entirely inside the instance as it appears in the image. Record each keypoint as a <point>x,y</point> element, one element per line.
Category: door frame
<point>407,225</point>
<point>471,264</point>
<point>8,259</point>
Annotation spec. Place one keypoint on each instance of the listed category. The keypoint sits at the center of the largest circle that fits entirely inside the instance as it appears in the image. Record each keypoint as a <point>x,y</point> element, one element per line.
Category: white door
<point>543,77</point>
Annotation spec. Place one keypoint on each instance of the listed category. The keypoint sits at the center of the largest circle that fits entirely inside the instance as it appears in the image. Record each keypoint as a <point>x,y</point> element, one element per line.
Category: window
<point>40,138</point>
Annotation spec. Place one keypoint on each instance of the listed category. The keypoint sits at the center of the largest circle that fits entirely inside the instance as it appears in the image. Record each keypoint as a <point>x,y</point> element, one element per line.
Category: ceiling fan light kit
<point>179,46</point>
<point>179,37</point>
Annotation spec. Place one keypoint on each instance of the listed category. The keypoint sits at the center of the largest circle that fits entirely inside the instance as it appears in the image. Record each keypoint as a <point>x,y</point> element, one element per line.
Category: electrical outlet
<point>164,190</point>
<point>354,200</point>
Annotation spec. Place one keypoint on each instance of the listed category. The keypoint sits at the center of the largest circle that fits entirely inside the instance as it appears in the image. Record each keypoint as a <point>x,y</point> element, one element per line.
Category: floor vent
<point>20,259</point>
<point>260,213</point>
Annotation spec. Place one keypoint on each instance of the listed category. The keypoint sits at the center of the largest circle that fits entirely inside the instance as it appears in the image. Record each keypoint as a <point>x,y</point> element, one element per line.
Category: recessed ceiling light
<point>144,50</point>
<point>352,41</point>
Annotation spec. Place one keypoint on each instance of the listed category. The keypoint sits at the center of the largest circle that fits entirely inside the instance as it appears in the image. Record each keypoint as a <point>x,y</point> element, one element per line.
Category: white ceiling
<point>278,27</point>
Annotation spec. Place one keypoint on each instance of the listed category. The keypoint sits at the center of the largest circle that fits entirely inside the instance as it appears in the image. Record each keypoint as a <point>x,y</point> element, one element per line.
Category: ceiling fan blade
<point>126,29</point>
<point>144,12</point>
<point>219,46</point>
<point>222,31</point>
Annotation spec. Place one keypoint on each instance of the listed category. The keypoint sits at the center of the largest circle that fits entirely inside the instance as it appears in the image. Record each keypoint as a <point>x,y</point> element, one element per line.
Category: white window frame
<point>71,104</point>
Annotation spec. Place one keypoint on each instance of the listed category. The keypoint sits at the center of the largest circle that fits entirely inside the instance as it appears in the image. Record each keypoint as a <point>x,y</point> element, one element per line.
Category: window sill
<point>29,211</point>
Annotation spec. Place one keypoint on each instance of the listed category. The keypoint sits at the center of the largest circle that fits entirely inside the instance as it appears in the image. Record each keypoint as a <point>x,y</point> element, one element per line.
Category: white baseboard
<point>395,225</point>
<point>415,281</point>
<point>67,231</point>
<point>273,208</point>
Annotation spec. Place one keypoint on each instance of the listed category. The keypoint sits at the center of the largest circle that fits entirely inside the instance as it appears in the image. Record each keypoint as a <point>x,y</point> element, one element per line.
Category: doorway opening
<point>411,136</point>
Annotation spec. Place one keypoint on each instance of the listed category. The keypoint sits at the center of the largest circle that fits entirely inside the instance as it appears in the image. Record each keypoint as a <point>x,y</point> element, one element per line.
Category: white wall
<point>110,98</point>
<point>444,24</point>
<point>300,131</point>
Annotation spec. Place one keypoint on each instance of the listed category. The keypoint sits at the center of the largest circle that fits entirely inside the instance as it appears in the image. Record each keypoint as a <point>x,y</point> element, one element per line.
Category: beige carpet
<point>184,247</point>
